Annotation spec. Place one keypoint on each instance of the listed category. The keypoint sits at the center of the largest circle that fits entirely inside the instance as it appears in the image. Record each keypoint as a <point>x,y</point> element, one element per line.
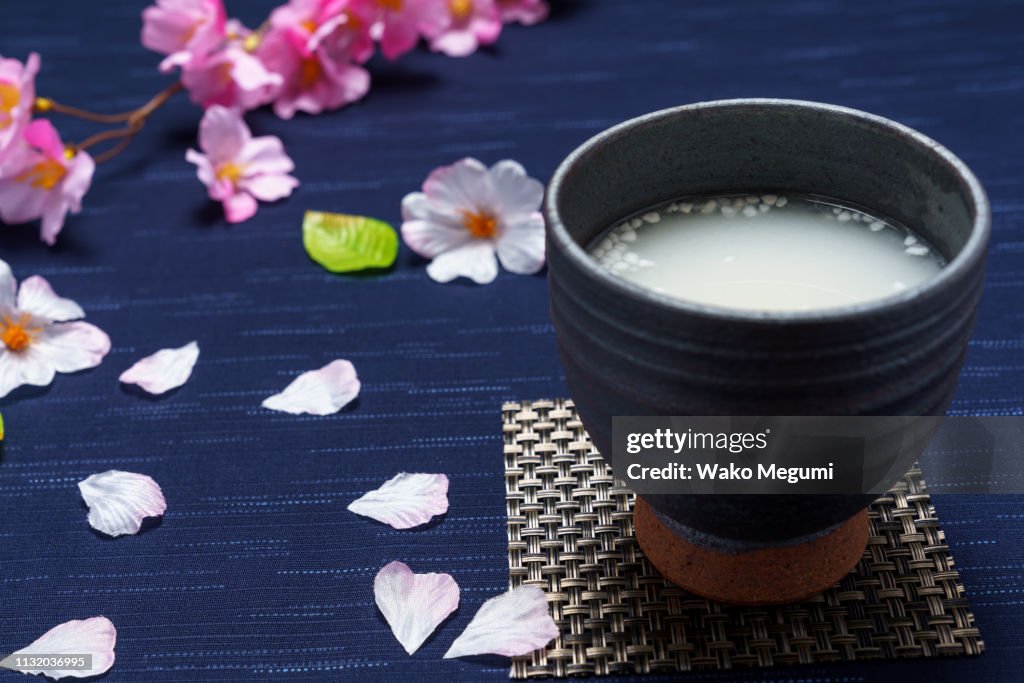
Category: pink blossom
<point>237,168</point>
<point>465,26</point>
<point>526,12</point>
<point>231,77</point>
<point>398,24</point>
<point>44,180</point>
<point>467,213</point>
<point>185,30</point>
<point>17,95</point>
<point>342,26</point>
<point>316,46</point>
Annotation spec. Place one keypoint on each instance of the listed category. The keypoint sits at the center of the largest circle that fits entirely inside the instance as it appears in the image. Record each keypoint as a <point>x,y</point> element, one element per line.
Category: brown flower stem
<point>158,101</point>
<point>45,104</point>
<point>123,135</point>
<point>127,131</point>
<point>135,120</point>
<point>114,151</point>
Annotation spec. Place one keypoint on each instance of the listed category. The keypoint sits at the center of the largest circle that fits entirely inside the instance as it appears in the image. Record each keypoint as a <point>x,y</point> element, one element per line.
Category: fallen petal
<point>119,501</point>
<point>318,392</point>
<point>414,604</point>
<point>95,637</point>
<point>165,370</point>
<point>406,500</point>
<point>512,624</point>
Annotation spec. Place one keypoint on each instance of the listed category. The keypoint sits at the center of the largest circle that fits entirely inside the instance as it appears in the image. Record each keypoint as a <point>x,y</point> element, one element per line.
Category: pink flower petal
<point>80,172</point>
<point>521,245</point>
<point>204,169</point>
<point>70,347</point>
<point>42,135</point>
<point>187,30</point>
<point>455,43</point>
<point>21,202</point>
<point>175,60</point>
<point>239,207</point>
<point>427,230</point>
<point>398,36</point>
<point>119,501</point>
<point>487,27</point>
<point>165,370</point>
<point>345,83</point>
<point>266,154</point>
<point>512,624</point>
<point>37,297</point>
<point>406,500</point>
<point>250,73</point>
<point>19,369</point>
<point>96,636</point>
<point>515,193</point>
<point>414,604</point>
<point>223,134</point>
<point>69,198</point>
<point>526,12</point>
<point>461,185</point>
<point>474,260</point>
<point>269,188</point>
<point>325,30</point>
<point>318,392</point>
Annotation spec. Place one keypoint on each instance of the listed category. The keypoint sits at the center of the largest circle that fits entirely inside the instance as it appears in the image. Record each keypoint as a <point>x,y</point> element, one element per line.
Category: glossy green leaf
<point>344,244</point>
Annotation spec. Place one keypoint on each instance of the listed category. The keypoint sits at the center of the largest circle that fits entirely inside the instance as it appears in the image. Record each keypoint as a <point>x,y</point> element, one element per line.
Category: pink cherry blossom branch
<point>307,56</point>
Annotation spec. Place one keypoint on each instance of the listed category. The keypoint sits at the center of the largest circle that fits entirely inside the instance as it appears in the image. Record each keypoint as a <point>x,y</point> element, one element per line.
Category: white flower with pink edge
<point>37,336</point>
<point>468,213</point>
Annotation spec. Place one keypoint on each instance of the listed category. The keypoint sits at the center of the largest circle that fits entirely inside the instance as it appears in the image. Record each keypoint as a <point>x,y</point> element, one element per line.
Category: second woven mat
<point>570,526</point>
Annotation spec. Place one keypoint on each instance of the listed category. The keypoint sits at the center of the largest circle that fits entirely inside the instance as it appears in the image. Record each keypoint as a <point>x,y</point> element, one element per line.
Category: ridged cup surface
<point>628,350</point>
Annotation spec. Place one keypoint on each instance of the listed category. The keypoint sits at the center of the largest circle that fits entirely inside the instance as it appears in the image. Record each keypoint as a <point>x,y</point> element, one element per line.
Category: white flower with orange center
<point>37,336</point>
<point>468,213</point>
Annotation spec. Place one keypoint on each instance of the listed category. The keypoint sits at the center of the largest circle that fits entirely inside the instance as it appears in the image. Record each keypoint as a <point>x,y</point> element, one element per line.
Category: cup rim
<point>958,267</point>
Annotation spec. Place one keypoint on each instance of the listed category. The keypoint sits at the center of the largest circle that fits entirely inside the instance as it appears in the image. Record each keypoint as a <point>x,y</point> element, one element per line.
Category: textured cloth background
<point>258,572</point>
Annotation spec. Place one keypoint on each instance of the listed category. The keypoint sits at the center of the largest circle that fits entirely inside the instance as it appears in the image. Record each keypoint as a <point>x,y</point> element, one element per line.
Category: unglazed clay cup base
<point>765,576</point>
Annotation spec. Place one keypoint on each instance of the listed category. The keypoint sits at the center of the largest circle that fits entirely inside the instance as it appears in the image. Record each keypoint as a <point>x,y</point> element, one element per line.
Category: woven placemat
<point>570,530</point>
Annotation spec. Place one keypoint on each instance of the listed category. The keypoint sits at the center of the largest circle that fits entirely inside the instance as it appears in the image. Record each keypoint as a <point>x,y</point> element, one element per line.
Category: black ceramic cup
<point>628,350</point>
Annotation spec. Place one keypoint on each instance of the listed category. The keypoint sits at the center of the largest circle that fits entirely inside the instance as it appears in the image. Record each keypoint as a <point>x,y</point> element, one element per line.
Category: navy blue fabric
<point>257,571</point>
